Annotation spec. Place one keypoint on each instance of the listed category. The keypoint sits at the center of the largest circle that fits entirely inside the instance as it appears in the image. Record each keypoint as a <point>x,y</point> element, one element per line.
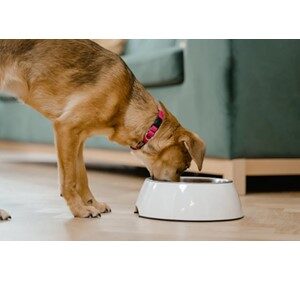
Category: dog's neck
<point>139,116</point>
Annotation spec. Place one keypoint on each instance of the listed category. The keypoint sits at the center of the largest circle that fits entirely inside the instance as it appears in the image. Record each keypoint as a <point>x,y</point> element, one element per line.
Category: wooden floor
<point>29,191</point>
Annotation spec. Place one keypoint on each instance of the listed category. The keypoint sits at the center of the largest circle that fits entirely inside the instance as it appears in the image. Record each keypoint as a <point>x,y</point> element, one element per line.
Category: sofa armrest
<point>204,103</point>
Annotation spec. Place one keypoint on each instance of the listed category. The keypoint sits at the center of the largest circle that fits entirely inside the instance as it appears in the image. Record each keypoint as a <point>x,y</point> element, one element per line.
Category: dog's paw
<point>4,215</point>
<point>101,206</point>
<point>86,212</point>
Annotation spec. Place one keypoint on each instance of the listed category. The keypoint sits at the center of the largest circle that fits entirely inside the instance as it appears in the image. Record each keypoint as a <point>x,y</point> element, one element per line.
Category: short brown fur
<point>85,90</point>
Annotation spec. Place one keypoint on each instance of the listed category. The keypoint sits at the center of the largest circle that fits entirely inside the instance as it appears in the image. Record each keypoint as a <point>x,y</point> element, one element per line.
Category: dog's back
<point>37,70</point>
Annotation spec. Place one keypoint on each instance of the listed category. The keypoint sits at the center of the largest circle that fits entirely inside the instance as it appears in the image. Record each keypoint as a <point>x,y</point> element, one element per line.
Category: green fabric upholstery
<point>166,66</point>
<point>21,123</point>
<point>266,99</point>
<point>147,46</point>
<point>241,96</point>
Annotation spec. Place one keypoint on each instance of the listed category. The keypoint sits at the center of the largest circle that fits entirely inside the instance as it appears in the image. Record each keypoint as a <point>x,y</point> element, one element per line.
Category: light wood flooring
<point>29,191</point>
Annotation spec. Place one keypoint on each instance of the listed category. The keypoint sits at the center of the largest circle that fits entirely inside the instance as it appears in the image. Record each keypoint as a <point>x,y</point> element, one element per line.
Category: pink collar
<point>151,131</point>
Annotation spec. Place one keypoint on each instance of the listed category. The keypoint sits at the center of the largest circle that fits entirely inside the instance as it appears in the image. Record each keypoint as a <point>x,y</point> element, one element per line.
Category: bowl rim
<point>209,180</point>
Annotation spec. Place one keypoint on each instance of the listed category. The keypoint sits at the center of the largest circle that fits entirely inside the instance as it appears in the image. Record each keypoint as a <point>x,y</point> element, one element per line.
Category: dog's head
<point>170,153</point>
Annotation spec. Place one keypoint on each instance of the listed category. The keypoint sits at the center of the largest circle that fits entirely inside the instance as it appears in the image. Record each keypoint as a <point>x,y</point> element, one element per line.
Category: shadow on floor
<point>273,183</point>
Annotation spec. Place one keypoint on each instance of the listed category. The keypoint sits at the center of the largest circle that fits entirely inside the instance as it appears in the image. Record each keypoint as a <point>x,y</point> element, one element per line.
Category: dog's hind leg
<point>82,185</point>
<point>67,145</point>
<point>4,215</point>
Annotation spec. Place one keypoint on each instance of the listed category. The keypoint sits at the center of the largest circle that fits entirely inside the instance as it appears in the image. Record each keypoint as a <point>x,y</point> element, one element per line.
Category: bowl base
<point>136,211</point>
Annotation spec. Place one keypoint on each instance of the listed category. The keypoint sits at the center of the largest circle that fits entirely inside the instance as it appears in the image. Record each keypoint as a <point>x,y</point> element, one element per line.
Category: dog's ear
<point>195,145</point>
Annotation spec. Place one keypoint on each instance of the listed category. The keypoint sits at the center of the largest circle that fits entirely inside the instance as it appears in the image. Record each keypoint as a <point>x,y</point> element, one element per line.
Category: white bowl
<point>191,199</point>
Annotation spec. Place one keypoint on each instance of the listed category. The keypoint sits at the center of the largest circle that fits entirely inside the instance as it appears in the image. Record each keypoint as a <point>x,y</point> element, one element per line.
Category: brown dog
<point>85,90</point>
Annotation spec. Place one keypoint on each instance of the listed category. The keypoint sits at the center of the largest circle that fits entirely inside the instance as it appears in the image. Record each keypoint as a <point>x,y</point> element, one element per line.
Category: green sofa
<point>241,96</point>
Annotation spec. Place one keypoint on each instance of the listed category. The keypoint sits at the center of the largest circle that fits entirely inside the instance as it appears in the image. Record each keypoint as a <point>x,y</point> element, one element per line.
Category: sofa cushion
<point>147,46</point>
<point>158,67</point>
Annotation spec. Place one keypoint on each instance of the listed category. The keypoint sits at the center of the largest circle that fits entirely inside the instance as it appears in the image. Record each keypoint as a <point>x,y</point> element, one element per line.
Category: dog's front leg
<point>67,146</point>
<point>82,185</point>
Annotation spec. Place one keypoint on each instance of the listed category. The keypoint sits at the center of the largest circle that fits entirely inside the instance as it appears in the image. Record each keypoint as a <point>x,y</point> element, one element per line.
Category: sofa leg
<point>236,171</point>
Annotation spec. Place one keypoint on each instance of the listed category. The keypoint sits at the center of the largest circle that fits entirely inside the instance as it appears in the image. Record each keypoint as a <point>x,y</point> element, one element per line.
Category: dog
<point>84,90</point>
